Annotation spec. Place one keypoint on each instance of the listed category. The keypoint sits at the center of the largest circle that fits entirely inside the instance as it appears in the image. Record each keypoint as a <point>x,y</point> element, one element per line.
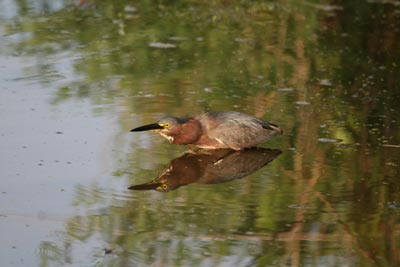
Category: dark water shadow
<point>209,167</point>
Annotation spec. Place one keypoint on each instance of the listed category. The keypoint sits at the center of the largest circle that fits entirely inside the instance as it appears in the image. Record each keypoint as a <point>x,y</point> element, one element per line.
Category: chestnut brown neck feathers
<point>187,133</point>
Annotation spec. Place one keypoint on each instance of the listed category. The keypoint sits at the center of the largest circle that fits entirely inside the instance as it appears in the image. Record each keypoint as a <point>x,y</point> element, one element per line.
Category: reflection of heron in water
<point>215,166</point>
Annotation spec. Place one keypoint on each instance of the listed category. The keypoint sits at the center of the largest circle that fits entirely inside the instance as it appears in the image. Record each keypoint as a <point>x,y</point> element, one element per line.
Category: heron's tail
<point>273,127</point>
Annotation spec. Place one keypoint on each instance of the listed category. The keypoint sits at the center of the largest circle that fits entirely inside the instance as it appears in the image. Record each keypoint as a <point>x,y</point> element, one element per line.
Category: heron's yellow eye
<point>162,187</point>
<point>165,125</point>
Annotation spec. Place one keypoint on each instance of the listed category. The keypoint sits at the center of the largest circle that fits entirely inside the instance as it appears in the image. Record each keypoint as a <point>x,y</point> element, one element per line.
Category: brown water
<point>76,76</point>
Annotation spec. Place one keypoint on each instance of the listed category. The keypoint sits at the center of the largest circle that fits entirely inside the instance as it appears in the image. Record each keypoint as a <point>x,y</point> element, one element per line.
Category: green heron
<point>215,130</point>
<point>217,166</point>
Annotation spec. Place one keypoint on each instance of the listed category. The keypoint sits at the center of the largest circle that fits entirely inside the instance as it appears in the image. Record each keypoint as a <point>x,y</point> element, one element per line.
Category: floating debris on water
<point>329,140</point>
<point>389,145</point>
<point>394,205</point>
<point>301,207</point>
<point>243,40</point>
<point>162,45</point>
<point>177,38</point>
<point>130,9</point>
<point>325,82</point>
<point>347,145</point>
<point>327,8</point>
<point>302,103</point>
<point>287,89</point>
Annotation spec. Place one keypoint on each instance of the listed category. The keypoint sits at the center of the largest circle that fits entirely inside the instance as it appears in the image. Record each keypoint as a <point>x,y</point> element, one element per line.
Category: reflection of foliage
<point>343,62</point>
<point>216,50</point>
<point>49,254</point>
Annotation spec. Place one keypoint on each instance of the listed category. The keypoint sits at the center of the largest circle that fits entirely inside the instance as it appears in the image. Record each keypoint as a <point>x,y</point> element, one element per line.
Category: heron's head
<point>167,127</point>
<point>153,185</point>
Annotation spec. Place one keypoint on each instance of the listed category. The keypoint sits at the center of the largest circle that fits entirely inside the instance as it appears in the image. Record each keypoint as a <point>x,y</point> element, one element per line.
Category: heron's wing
<point>238,133</point>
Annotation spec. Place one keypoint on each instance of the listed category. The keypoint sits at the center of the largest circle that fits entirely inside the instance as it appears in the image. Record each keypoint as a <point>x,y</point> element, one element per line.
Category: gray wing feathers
<point>241,132</point>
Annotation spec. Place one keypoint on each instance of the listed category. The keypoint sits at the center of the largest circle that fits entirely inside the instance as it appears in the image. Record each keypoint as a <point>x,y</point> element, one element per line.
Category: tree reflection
<point>343,66</point>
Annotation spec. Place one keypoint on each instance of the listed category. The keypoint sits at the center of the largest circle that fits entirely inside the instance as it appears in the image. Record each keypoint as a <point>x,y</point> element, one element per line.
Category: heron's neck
<point>190,132</point>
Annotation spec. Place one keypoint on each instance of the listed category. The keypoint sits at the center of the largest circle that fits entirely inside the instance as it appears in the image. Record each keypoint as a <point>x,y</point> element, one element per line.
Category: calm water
<point>76,76</point>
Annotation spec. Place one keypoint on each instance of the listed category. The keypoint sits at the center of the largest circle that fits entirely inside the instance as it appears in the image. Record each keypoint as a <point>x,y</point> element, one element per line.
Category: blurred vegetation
<point>321,69</point>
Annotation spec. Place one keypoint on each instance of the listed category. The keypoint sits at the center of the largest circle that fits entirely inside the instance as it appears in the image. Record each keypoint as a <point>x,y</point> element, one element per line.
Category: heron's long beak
<point>145,186</point>
<point>153,126</point>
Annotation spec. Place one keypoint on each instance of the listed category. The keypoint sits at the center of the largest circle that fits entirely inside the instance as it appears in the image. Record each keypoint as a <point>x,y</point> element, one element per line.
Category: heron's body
<point>214,130</point>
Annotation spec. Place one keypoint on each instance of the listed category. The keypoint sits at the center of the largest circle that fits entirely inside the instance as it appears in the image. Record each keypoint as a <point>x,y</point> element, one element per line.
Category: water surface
<point>78,75</point>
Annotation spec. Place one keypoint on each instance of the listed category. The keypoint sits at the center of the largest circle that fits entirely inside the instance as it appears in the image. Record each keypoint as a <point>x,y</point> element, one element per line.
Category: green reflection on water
<point>318,70</point>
